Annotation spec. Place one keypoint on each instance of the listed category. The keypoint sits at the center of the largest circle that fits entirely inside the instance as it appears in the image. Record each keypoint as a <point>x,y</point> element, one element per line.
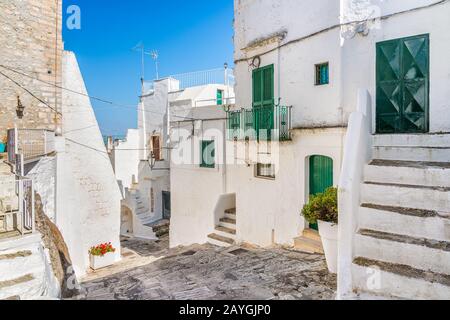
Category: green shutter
<point>219,97</point>
<point>403,85</point>
<point>208,154</point>
<point>263,101</point>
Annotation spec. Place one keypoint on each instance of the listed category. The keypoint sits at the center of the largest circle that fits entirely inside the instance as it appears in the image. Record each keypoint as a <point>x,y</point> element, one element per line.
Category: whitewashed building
<point>338,93</point>
<point>145,154</point>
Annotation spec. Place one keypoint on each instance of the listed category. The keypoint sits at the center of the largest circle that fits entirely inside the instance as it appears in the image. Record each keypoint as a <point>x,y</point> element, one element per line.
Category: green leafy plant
<point>322,206</point>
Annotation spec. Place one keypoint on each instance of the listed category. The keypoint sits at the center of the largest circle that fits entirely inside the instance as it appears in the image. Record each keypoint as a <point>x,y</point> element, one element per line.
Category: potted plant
<point>323,209</point>
<point>3,142</point>
<point>101,256</point>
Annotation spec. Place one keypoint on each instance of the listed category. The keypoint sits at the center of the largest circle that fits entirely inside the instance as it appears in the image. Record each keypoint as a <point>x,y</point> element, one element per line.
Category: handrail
<point>357,153</point>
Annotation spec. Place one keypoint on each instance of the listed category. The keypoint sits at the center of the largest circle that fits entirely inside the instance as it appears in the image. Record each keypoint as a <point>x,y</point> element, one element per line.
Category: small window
<point>322,74</point>
<point>263,170</point>
<point>219,97</point>
<point>208,154</point>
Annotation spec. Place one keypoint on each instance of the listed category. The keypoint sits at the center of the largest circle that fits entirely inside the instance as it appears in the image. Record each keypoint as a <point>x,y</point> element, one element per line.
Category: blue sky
<point>189,35</point>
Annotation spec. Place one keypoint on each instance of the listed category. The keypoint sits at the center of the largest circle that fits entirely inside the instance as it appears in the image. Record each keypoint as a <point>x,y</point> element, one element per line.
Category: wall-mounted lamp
<point>20,108</point>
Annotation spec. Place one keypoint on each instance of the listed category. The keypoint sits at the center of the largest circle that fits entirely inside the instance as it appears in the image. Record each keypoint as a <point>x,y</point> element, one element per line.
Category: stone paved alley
<point>212,273</point>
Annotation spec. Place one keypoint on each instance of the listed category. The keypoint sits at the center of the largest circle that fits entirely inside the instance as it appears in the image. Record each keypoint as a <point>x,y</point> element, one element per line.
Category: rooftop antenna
<point>154,54</point>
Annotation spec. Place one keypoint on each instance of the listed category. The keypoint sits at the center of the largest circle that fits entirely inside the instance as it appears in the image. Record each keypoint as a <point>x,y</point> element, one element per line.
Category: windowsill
<point>266,178</point>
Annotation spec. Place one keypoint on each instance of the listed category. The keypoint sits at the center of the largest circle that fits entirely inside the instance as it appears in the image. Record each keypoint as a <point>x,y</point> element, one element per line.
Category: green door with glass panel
<point>402,103</point>
<point>320,176</point>
<point>263,101</point>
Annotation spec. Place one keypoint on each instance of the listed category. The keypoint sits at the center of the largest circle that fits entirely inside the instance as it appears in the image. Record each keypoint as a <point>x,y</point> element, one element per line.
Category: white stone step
<point>418,197</point>
<point>399,282</point>
<point>226,232</point>
<point>227,223</point>
<point>220,241</point>
<point>410,222</point>
<point>428,154</point>
<point>423,254</point>
<point>20,266</point>
<point>410,173</point>
<point>412,140</point>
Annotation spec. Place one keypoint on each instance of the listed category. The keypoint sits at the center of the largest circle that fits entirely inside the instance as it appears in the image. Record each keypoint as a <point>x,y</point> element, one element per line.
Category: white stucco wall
<point>268,211</point>
<point>88,196</point>
<point>125,156</point>
<point>43,175</point>
<point>195,191</point>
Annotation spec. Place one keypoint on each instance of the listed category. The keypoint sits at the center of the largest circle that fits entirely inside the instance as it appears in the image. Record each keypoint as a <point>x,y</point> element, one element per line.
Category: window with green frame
<point>208,154</point>
<point>322,74</point>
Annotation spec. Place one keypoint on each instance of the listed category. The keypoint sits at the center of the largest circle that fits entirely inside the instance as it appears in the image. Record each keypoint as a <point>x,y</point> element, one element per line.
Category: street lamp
<point>20,108</point>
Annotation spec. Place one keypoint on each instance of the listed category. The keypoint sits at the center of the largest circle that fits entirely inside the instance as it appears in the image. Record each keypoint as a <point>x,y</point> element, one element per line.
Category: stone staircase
<point>309,242</point>
<point>26,272</point>
<point>225,232</point>
<point>402,246</point>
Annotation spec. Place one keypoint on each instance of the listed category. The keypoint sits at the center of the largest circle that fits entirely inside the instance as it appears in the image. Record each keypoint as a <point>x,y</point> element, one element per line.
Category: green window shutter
<point>219,97</point>
<point>263,101</point>
<point>257,88</point>
<point>402,82</point>
<point>208,154</point>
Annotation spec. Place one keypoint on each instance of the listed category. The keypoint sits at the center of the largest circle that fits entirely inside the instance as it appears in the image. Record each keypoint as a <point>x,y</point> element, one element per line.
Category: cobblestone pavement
<point>213,273</point>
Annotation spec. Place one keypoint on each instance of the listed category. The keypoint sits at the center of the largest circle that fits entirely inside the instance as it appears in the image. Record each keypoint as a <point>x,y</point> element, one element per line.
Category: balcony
<point>267,123</point>
<point>32,144</point>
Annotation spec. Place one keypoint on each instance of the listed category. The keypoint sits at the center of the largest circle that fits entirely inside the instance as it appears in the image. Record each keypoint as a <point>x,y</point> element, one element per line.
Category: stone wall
<point>31,43</point>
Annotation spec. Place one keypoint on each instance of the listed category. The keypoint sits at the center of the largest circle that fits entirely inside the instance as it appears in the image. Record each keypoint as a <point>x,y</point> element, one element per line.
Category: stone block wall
<point>31,43</point>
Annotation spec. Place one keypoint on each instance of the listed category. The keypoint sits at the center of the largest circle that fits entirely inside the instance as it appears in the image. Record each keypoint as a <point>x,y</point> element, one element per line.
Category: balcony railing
<point>267,123</point>
<point>31,143</point>
<point>17,207</point>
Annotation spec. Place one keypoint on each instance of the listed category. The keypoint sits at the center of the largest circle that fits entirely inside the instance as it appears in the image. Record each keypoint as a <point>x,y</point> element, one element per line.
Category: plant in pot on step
<point>322,208</point>
<point>101,256</point>
<point>3,141</point>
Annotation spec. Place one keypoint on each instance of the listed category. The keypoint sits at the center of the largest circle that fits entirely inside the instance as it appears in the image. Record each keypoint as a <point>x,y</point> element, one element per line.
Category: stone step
<point>231,211</point>
<point>312,234</point>
<point>220,240</point>
<point>227,223</point>
<point>419,253</point>
<point>412,140</point>
<point>397,195</point>
<point>399,281</point>
<point>226,232</point>
<point>434,174</point>
<point>406,221</point>
<point>426,154</point>
<point>308,245</point>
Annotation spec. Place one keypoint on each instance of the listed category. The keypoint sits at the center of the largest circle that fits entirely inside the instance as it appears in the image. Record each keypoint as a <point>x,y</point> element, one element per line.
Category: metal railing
<point>17,206</point>
<point>267,123</point>
<point>199,78</point>
<point>31,143</point>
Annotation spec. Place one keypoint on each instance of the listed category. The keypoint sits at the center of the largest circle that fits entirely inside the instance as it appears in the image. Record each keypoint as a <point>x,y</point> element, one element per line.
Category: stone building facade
<point>30,48</point>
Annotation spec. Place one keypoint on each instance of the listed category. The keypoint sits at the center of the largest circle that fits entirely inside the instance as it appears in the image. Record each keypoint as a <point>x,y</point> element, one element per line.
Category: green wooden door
<point>320,176</point>
<point>263,101</point>
<point>403,85</point>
